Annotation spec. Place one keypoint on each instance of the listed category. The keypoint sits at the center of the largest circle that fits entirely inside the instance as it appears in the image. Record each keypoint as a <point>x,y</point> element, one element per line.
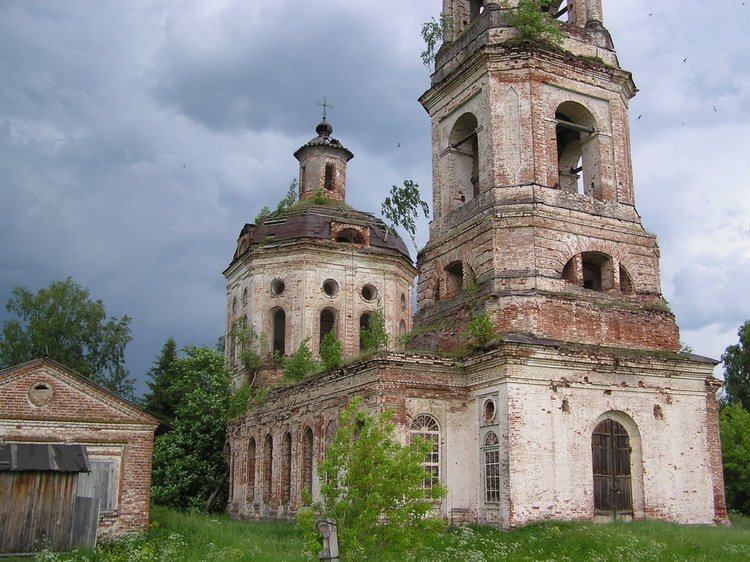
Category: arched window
<point>577,150</point>
<point>267,468</point>
<point>328,182</point>
<point>286,468</point>
<point>592,270</point>
<point>279,330</point>
<point>306,477</point>
<point>597,271</point>
<point>350,236</point>
<point>454,279</point>
<point>464,150</point>
<point>558,9</point>
<point>251,470</point>
<point>331,430</point>
<point>232,473</point>
<point>610,449</point>
<point>426,426</point>
<point>244,296</point>
<point>491,452</point>
<point>327,323</point>
<point>476,7</point>
<point>626,283</point>
<point>364,324</point>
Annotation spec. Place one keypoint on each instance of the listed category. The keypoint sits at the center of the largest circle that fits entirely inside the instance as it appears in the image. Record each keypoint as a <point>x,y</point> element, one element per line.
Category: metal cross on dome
<point>325,105</point>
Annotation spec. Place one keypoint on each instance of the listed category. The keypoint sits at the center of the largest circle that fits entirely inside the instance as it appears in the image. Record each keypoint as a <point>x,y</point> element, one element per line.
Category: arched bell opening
<point>577,150</point>
<point>464,154</point>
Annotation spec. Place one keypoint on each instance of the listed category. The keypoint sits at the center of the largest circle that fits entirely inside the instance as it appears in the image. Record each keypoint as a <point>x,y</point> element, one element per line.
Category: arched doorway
<point>613,489</point>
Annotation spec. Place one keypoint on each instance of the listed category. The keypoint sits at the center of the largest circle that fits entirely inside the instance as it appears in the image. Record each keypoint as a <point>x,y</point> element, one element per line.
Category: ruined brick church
<point>583,407</point>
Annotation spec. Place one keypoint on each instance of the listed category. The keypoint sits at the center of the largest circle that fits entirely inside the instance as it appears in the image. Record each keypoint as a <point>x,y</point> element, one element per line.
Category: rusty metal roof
<point>314,222</point>
<point>44,457</point>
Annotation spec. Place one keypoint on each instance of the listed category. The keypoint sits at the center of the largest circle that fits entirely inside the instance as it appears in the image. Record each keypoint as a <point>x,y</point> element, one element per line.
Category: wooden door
<point>610,448</point>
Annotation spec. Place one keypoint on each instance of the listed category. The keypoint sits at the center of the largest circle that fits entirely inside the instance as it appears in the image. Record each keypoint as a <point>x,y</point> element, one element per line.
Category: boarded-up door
<point>610,448</point>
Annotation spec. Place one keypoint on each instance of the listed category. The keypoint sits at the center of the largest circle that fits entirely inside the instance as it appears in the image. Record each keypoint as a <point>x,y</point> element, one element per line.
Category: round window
<point>277,286</point>
<point>369,292</point>
<point>489,410</point>
<point>41,394</point>
<point>330,287</point>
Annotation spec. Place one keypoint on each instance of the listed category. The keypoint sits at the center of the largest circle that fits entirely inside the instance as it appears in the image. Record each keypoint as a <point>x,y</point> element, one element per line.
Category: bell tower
<point>533,194</point>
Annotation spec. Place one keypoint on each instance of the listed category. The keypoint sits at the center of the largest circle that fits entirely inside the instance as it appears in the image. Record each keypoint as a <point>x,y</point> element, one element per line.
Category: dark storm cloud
<point>136,138</point>
<point>269,71</point>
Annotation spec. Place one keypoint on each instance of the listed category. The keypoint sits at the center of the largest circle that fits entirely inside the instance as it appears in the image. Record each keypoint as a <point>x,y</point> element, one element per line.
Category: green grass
<point>193,537</point>
<point>187,537</point>
<point>558,541</point>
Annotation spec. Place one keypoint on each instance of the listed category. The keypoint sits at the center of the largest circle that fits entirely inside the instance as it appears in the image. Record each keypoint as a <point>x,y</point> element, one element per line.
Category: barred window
<point>491,468</point>
<point>427,427</point>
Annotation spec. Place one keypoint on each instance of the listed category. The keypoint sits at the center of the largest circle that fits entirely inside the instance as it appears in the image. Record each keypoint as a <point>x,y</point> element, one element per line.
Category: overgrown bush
<point>300,364</point>
<point>330,351</point>
<point>373,488</point>
<point>534,23</point>
<point>735,445</point>
<point>481,329</point>
<point>375,336</point>
<point>188,464</point>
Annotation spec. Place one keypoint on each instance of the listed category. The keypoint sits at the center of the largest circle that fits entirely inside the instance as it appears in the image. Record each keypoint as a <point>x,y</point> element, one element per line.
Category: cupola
<point>322,165</point>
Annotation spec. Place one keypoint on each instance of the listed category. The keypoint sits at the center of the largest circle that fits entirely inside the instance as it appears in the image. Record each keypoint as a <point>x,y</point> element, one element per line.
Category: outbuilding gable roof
<point>43,389</point>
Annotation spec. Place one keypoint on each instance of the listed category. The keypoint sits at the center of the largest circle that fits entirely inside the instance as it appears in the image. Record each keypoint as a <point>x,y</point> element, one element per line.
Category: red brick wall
<point>80,412</point>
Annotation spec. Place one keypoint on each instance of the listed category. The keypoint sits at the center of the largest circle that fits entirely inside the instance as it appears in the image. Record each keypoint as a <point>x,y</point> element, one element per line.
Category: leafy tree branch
<point>402,208</point>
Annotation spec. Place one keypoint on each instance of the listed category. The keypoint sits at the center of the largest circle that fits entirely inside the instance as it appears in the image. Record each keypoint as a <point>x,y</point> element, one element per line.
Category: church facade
<point>583,407</point>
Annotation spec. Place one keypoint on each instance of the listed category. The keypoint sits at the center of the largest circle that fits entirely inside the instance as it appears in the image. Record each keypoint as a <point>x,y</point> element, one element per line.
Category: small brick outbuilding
<point>42,402</point>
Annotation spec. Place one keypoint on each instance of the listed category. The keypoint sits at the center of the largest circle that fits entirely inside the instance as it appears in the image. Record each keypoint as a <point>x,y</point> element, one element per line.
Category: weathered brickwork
<point>318,268</point>
<point>534,223</point>
<point>77,411</point>
<point>547,399</point>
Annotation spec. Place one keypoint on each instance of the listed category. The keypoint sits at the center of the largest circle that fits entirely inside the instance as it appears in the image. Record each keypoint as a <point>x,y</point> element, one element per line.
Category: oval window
<point>277,286</point>
<point>330,287</point>
<point>369,292</point>
<point>489,410</point>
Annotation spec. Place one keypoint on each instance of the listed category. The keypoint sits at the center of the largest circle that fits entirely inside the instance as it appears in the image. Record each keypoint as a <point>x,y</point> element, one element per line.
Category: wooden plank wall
<point>36,510</point>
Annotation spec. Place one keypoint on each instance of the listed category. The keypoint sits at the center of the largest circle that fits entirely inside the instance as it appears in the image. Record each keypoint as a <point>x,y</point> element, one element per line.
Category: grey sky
<point>136,138</point>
